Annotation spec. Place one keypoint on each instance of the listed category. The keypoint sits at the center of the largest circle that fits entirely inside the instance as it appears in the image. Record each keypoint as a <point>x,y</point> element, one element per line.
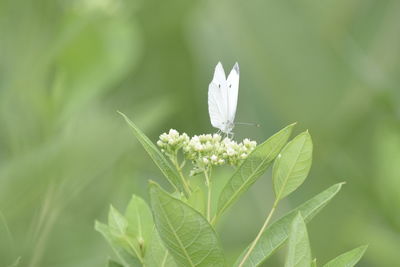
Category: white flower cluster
<point>207,149</point>
<point>172,141</point>
<point>213,150</point>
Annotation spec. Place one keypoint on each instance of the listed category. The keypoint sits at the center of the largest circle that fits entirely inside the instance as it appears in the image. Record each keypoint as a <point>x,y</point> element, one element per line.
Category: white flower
<point>230,151</point>
<point>205,150</point>
<point>198,147</point>
<point>172,141</point>
<point>173,133</point>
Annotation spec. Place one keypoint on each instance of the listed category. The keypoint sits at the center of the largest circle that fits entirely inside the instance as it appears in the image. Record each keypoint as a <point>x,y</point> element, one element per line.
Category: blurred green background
<point>66,66</point>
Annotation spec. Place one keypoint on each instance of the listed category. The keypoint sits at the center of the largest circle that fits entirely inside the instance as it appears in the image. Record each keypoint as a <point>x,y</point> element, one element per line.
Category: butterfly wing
<point>217,98</point>
<point>233,91</point>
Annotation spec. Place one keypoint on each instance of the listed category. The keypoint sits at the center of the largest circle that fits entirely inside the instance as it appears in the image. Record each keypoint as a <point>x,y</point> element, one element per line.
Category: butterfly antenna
<point>248,123</point>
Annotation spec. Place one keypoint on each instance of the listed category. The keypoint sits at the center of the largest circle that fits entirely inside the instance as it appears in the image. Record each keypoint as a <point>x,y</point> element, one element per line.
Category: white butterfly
<point>222,98</point>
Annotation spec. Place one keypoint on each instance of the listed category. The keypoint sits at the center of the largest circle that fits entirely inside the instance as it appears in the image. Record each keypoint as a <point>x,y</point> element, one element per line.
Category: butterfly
<point>223,97</point>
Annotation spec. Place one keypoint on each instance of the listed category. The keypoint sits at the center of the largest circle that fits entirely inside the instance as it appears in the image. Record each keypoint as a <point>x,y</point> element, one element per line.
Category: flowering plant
<point>205,150</point>
<point>177,231</point>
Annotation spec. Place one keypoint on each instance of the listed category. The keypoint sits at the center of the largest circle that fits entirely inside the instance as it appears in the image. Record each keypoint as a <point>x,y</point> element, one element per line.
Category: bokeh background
<point>67,66</point>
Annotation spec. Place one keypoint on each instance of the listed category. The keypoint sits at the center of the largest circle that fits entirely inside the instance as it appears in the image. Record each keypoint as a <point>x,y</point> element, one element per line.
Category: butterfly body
<point>222,98</point>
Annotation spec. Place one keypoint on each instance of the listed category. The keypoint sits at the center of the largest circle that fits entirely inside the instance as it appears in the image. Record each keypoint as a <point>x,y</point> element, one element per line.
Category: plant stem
<point>254,243</point>
<point>214,219</point>
<point>208,183</point>
<point>138,254</point>
<point>179,169</point>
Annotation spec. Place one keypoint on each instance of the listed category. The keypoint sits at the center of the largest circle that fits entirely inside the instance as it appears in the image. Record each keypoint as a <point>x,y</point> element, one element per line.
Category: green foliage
<point>169,172</point>
<point>292,165</point>
<point>190,239</point>
<point>179,232</point>
<point>348,259</point>
<point>157,255</point>
<point>252,168</point>
<point>140,223</point>
<point>277,233</point>
<point>299,251</point>
<point>119,245</point>
<point>314,263</point>
<point>197,200</point>
<point>117,222</point>
<point>129,234</point>
<point>67,65</point>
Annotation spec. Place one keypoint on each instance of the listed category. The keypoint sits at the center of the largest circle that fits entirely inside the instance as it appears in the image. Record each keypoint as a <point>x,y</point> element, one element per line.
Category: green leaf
<point>197,200</point>
<point>252,168</point>
<point>112,263</point>
<point>117,222</point>
<point>299,252</point>
<point>157,255</point>
<point>314,263</point>
<point>348,259</point>
<point>140,223</point>
<point>118,244</point>
<point>163,164</point>
<point>277,233</point>
<point>291,167</point>
<point>185,232</point>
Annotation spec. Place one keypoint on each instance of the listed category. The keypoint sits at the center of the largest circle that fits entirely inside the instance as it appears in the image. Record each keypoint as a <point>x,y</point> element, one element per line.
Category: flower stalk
<point>255,241</point>
<point>203,151</point>
<point>179,167</point>
<point>208,184</point>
